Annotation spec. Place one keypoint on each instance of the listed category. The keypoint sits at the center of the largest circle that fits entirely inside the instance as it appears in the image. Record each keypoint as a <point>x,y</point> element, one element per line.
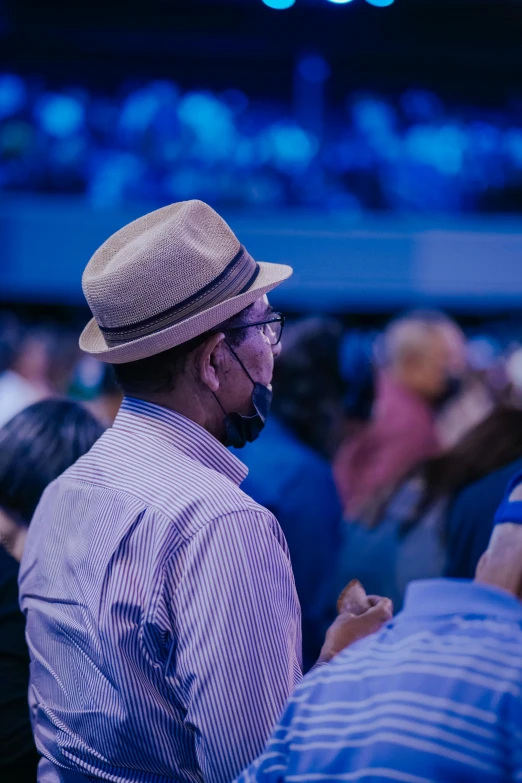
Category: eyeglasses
<point>272,328</point>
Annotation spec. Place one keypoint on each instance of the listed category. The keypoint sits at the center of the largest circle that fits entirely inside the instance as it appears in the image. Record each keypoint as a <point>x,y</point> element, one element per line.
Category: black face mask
<point>241,430</point>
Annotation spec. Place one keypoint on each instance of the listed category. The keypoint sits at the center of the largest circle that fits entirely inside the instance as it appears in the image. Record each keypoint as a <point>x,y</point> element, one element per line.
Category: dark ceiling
<point>464,49</point>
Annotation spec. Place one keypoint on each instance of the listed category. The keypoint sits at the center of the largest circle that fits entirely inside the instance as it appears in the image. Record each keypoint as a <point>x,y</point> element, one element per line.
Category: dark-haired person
<point>440,520</point>
<point>36,446</point>
<point>460,491</point>
<point>162,615</point>
<point>494,456</point>
<point>296,448</point>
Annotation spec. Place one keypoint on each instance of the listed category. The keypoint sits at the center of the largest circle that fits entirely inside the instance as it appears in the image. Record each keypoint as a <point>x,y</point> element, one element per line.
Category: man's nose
<point>276,349</point>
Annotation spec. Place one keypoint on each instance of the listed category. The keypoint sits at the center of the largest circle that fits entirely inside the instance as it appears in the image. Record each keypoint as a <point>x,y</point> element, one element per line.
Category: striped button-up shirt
<point>162,619</point>
<point>435,697</point>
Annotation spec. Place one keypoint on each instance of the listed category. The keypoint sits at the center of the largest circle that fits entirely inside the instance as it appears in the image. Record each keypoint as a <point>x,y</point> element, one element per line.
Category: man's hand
<point>501,564</point>
<point>349,628</point>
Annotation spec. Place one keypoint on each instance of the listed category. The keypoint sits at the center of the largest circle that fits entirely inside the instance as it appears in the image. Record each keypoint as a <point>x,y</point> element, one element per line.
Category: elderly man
<point>162,618</point>
<point>435,697</point>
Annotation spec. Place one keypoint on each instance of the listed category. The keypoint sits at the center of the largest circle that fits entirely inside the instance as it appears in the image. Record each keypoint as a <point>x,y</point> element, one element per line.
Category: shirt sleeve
<point>237,621</point>
<point>280,759</point>
<point>272,765</point>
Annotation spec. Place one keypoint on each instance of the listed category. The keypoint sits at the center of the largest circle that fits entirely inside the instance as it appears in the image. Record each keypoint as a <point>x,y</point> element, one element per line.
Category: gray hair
<point>410,335</point>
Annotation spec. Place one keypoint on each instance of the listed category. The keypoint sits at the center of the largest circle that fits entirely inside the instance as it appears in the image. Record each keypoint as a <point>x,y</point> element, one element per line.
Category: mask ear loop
<point>219,402</point>
<point>236,357</point>
<point>254,384</point>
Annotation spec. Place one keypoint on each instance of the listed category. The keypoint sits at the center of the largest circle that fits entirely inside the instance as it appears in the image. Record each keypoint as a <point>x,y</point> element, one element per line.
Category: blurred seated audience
<point>358,372</point>
<point>22,367</point>
<point>417,373</point>
<point>300,437</point>
<point>433,696</point>
<point>36,361</point>
<point>158,142</point>
<point>440,518</point>
<point>94,383</point>
<point>36,446</point>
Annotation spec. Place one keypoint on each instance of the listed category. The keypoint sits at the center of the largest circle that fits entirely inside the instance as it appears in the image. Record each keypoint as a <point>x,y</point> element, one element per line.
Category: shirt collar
<point>443,597</point>
<point>184,434</point>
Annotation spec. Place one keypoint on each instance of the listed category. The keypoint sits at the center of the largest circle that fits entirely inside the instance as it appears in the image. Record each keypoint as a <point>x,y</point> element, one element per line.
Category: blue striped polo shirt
<point>434,696</point>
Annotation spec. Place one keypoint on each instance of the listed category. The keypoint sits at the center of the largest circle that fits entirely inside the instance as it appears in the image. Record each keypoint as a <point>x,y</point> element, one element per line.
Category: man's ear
<point>210,361</point>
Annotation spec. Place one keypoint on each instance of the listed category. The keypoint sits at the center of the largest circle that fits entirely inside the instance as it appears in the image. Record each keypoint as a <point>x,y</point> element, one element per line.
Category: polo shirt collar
<point>184,434</point>
<point>444,597</point>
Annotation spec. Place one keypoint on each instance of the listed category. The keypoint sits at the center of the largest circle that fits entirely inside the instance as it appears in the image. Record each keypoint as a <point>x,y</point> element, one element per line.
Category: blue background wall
<point>364,263</point>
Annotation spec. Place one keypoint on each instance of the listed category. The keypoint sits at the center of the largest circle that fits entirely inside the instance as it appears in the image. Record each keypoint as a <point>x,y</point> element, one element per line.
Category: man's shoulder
<point>461,647</point>
<point>161,478</point>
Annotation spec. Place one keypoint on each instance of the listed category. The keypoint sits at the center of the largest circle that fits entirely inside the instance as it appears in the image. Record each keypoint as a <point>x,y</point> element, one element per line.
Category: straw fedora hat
<point>167,278</point>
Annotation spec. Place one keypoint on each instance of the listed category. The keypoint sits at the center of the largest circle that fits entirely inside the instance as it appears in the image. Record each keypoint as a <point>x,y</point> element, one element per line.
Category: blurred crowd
<point>39,360</point>
<point>157,142</point>
<point>388,451</point>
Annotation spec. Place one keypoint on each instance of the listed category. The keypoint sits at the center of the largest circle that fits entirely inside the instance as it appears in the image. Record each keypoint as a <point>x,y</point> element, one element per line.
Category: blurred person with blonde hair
<point>418,371</point>
<point>476,366</point>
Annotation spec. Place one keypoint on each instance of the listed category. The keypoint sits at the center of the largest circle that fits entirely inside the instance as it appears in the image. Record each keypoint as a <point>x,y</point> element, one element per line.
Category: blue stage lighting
<point>340,2</point>
<point>314,68</point>
<point>279,5</point>
<point>380,3</point>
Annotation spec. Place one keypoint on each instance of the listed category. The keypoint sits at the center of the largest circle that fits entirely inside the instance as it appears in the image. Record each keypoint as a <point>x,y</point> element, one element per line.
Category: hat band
<point>236,278</point>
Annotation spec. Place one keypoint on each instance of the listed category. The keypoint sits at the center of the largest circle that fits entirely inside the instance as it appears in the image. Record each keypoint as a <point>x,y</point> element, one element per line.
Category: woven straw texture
<point>156,263</point>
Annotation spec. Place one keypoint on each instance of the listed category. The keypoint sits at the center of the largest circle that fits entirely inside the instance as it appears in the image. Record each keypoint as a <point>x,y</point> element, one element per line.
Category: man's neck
<point>189,406</point>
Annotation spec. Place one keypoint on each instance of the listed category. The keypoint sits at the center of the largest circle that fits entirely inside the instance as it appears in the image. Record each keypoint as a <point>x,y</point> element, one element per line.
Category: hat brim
<point>93,342</point>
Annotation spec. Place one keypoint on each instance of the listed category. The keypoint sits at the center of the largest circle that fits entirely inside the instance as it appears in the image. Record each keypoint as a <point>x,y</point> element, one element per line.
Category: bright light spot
<point>380,3</point>
<point>340,2</point>
<point>211,122</point>
<point>279,5</point>
<point>60,115</point>
<point>289,146</point>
